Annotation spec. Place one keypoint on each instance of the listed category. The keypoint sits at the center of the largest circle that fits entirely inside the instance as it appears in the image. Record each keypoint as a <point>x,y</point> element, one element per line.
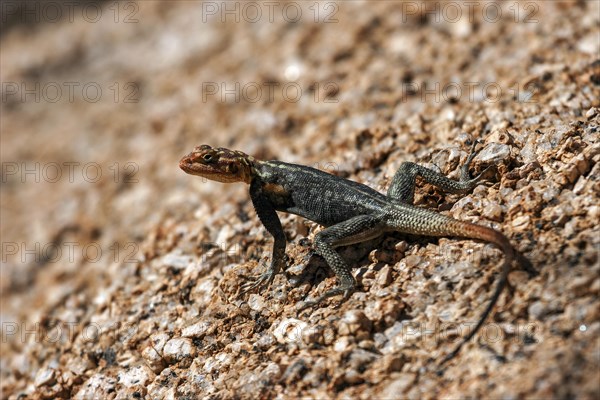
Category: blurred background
<point>100,99</point>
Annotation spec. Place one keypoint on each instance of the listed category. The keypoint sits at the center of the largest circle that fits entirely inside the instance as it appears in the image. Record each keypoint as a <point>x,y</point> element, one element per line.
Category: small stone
<point>99,386</point>
<point>537,309</point>
<point>257,302</point>
<point>198,330</point>
<point>518,278</point>
<point>521,222</point>
<point>314,335</point>
<point>290,330</point>
<point>384,278</point>
<point>494,153</point>
<point>353,322</point>
<point>159,340</point>
<point>176,260</point>
<point>162,387</point>
<point>352,377</point>
<point>400,385</point>
<point>591,113</point>
<point>493,212</point>
<point>401,246</point>
<point>45,377</point>
<point>217,363</point>
<point>342,344</point>
<point>579,165</point>
<point>153,359</point>
<point>271,372</point>
<point>136,376</point>
<point>580,285</point>
<point>239,347</point>
<point>179,350</point>
<point>393,362</point>
<point>266,341</point>
<point>79,365</point>
<point>594,213</point>
<point>412,261</point>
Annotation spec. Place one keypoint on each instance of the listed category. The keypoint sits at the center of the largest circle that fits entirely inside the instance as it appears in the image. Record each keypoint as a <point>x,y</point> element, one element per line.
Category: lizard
<point>351,212</point>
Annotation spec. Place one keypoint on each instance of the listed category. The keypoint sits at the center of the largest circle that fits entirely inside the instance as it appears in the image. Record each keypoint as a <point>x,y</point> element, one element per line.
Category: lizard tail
<point>472,231</point>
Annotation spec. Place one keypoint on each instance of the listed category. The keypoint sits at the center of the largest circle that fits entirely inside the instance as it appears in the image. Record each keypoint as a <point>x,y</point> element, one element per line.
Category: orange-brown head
<point>218,164</point>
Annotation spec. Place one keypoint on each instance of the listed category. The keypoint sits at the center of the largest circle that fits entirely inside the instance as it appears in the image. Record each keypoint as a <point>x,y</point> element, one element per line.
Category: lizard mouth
<point>189,165</point>
<point>186,164</point>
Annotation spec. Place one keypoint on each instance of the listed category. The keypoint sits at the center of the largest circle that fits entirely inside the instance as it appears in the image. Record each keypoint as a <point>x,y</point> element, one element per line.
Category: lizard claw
<point>333,292</point>
<point>262,281</point>
<point>464,171</point>
<point>480,177</point>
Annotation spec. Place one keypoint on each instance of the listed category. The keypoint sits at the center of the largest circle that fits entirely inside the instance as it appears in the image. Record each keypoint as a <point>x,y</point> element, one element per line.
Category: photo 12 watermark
<point>483,10</point>
<point>69,252</point>
<point>269,92</point>
<point>40,11</point>
<point>70,92</point>
<point>467,91</point>
<point>69,171</point>
<point>65,332</point>
<point>328,12</point>
<point>270,11</point>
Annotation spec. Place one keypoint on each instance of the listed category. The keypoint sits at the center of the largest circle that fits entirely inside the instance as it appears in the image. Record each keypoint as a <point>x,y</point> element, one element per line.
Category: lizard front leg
<point>268,216</point>
<point>354,230</point>
<point>404,181</point>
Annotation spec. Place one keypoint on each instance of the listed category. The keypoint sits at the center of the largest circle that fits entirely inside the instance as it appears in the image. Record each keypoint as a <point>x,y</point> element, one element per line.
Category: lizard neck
<point>247,165</point>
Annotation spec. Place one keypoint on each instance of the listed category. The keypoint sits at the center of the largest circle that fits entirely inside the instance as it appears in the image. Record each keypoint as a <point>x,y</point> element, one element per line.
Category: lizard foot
<point>333,292</point>
<point>464,171</point>
<point>262,281</point>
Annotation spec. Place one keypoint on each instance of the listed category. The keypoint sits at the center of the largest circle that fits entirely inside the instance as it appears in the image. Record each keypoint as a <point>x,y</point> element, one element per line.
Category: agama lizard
<point>350,211</point>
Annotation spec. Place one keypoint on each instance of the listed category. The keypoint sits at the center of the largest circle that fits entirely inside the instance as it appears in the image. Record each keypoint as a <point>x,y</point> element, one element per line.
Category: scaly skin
<point>350,211</point>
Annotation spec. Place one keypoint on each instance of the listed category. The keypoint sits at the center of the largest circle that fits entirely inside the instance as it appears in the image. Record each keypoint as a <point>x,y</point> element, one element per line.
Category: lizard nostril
<point>184,163</point>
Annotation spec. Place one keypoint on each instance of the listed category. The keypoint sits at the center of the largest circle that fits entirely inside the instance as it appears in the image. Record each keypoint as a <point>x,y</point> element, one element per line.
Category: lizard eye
<point>208,157</point>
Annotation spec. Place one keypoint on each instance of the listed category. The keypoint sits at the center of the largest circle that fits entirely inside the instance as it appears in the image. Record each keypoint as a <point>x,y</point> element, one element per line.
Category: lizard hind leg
<point>354,230</point>
<point>403,184</point>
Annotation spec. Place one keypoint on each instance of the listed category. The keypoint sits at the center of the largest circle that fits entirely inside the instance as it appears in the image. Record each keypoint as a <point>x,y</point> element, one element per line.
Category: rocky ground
<point>120,274</point>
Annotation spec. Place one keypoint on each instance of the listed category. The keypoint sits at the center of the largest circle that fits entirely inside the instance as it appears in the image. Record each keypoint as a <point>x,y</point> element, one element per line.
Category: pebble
<point>98,386</point>
<point>537,309</point>
<point>159,340</point>
<point>45,377</point>
<point>197,330</point>
<point>176,260</point>
<point>271,372</point>
<point>290,330</point>
<point>153,359</point>
<point>400,384</point>
<point>257,302</point>
<point>521,223</point>
<point>178,350</point>
<point>136,376</point>
<point>384,277</point>
<point>342,344</point>
<point>353,322</point>
<point>266,341</point>
<point>492,211</point>
<point>494,153</point>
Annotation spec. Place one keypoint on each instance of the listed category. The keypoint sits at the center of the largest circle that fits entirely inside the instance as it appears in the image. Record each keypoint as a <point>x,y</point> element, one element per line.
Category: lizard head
<point>218,164</point>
